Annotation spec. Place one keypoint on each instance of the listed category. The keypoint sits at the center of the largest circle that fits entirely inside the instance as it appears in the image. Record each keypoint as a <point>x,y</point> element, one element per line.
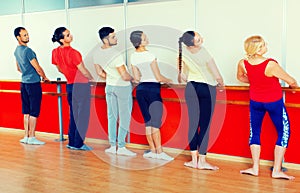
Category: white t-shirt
<point>197,65</point>
<point>143,60</point>
<point>109,59</point>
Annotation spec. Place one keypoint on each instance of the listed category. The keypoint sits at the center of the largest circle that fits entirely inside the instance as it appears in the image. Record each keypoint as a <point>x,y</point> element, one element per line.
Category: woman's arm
<point>158,76</point>
<point>182,76</point>
<point>214,69</point>
<point>136,74</point>
<point>274,69</point>
<point>85,71</point>
<point>241,72</point>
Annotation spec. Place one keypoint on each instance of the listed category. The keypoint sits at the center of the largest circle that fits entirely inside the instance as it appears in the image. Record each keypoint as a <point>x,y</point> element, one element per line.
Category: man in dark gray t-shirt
<point>31,90</point>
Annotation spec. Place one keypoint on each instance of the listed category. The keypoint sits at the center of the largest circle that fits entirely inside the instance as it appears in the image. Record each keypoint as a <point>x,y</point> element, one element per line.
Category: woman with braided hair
<point>199,70</point>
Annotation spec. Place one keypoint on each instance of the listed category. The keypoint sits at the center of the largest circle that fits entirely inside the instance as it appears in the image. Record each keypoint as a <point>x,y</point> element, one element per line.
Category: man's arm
<point>100,71</point>
<point>18,67</point>
<point>39,69</point>
<point>124,73</point>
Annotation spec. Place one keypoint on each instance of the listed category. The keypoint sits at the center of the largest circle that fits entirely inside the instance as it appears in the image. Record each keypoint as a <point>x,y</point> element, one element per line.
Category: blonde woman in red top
<point>263,76</point>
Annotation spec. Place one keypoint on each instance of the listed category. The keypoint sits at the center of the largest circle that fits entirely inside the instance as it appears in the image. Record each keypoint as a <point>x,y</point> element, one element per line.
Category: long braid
<point>180,56</point>
<point>188,39</point>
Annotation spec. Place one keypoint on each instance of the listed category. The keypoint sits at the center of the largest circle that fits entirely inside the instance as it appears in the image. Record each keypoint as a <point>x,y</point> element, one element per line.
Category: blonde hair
<point>252,45</point>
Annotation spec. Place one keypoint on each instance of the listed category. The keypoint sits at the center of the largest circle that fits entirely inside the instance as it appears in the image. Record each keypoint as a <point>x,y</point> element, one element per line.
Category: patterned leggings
<point>279,116</point>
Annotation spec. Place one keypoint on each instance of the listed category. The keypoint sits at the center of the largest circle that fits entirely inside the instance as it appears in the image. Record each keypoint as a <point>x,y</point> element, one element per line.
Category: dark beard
<point>25,42</point>
<point>112,44</point>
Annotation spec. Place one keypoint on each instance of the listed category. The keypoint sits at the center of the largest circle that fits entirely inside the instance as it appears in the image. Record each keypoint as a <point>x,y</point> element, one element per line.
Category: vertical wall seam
<point>196,14</point>
<point>125,5</point>
<point>22,12</point>
<point>284,36</point>
<point>67,13</point>
<point>284,40</point>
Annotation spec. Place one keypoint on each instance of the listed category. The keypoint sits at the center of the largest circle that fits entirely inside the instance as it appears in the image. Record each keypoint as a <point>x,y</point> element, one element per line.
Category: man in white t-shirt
<point>110,65</point>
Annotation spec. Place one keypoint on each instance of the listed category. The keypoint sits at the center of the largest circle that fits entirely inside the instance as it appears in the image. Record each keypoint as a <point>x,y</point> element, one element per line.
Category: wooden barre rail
<point>101,96</point>
<point>237,88</point>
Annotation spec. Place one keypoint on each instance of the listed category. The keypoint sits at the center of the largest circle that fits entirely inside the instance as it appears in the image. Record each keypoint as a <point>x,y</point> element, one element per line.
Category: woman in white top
<point>202,75</point>
<point>147,74</point>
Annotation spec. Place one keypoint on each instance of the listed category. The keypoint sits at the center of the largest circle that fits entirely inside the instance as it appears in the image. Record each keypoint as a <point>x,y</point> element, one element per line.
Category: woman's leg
<point>156,139</point>
<point>81,103</point>
<point>155,111</point>
<point>194,162</point>
<point>257,113</point>
<point>277,173</point>
<point>143,103</point>
<point>255,152</point>
<point>193,113</point>
<point>72,124</point>
<point>150,139</point>
<point>206,99</point>
<point>279,116</point>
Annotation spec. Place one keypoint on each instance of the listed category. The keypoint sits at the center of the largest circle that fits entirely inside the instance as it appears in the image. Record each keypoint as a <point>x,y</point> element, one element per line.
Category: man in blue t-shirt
<point>31,90</point>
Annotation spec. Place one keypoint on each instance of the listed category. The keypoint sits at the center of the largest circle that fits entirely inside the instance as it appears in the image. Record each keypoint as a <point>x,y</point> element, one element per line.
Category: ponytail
<point>58,35</point>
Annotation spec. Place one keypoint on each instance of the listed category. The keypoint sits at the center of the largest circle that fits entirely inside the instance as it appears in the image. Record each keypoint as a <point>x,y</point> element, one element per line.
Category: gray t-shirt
<point>23,56</point>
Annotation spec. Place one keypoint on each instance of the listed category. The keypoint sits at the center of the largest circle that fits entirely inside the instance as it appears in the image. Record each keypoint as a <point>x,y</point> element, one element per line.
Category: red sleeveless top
<point>262,88</point>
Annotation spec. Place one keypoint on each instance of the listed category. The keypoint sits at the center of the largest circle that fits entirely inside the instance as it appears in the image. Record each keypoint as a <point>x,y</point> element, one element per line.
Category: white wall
<point>223,24</point>
<point>163,23</point>
<point>85,24</point>
<point>293,38</point>
<point>40,27</point>
<point>8,68</point>
<point>226,24</point>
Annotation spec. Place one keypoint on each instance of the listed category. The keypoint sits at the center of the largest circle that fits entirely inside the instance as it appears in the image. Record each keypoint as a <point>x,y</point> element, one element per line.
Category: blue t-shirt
<point>23,56</point>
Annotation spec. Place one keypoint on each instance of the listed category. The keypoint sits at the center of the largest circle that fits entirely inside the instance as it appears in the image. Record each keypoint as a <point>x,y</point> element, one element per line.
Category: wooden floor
<point>54,168</point>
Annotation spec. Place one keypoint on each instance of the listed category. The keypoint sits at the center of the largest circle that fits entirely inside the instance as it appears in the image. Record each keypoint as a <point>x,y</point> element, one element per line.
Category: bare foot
<point>281,175</point>
<point>190,164</point>
<point>250,171</point>
<point>206,166</point>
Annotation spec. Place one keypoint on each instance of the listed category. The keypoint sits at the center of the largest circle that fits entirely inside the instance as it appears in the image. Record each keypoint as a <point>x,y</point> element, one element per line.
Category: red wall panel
<point>229,128</point>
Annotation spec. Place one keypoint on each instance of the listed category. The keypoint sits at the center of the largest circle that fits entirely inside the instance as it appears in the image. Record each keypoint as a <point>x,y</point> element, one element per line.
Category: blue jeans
<point>119,106</point>
<point>79,99</point>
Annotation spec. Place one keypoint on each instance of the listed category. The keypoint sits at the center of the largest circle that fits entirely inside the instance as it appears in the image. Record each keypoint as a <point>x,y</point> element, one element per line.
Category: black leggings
<point>200,99</point>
